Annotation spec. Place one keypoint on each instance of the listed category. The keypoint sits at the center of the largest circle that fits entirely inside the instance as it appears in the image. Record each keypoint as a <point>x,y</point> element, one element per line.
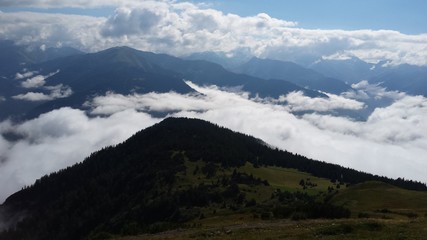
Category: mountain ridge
<point>124,70</point>
<point>141,181</point>
<point>292,72</point>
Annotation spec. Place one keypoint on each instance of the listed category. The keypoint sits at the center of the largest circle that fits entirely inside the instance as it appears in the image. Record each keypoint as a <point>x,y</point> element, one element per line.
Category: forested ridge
<point>137,186</point>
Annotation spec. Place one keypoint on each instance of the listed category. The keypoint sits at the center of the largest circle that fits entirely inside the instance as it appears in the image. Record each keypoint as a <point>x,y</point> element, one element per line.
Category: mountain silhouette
<point>163,177</point>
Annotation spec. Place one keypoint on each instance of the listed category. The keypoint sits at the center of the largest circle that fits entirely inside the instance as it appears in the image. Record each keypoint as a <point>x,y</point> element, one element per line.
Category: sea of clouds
<point>392,141</point>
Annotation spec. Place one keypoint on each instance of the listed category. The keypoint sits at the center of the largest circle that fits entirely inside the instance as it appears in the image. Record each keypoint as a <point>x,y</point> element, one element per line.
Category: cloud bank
<point>392,142</point>
<point>33,82</point>
<point>24,74</point>
<point>46,93</point>
<point>182,28</point>
<point>59,139</point>
<point>55,92</point>
<point>297,101</point>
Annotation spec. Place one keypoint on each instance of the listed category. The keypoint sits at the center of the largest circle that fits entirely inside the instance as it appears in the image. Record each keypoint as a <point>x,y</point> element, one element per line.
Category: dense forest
<point>138,186</point>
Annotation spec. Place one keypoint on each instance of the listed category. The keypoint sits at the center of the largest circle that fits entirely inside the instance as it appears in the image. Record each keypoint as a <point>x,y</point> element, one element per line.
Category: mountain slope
<point>117,69</point>
<point>15,59</point>
<point>125,70</point>
<point>274,69</point>
<point>208,73</point>
<point>166,175</point>
<point>360,197</point>
<point>120,70</point>
<point>404,78</point>
<point>351,70</point>
<point>221,58</point>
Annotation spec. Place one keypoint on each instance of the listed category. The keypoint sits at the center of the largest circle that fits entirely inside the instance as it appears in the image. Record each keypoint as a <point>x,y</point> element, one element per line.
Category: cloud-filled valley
<point>59,139</point>
<point>391,142</point>
<point>39,91</point>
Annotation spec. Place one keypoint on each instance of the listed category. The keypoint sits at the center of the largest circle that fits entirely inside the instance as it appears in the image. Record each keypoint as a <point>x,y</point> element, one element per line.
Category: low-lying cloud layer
<point>392,142</point>
<point>296,101</point>
<point>33,82</point>
<point>182,28</point>
<point>38,82</point>
<point>57,91</point>
<point>59,139</point>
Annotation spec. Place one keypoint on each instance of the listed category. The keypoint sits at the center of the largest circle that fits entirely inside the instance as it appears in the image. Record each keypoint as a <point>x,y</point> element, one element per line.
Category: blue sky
<point>408,17</point>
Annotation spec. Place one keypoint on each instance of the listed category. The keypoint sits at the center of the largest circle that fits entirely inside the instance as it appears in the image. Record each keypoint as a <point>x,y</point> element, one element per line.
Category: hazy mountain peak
<point>292,72</point>
<point>227,60</point>
<point>123,55</point>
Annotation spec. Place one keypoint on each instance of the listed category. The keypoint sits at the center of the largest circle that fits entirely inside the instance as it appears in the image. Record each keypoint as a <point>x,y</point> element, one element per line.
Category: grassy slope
<point>245,227</point>
<point>288,179</point>
<point>367,198</point>
<point>374,196</point>
<point>284,179</point>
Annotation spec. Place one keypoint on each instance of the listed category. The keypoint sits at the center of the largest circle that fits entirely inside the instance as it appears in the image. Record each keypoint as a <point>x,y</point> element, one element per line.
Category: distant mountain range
<point>176,172</point>
<point>351,70</point>
<point>405,78</point>
<point>227,60</point>
<point>288,71</point>
<point>124,70</point>
<point>38,80</point>
<point>14,58</point>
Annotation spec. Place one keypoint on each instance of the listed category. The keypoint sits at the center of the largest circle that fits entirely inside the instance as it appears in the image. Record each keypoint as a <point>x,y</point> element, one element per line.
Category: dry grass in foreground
<point>243,227</point>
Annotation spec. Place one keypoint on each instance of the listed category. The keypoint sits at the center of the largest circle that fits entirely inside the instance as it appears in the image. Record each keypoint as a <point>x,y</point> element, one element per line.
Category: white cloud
<point>58,91</point>
<point>111,103</point>
<point>32,96</point>
<point>39,81</point>
<point>34,82</point>
<point>43,47</point>
<point>59,139</point>
<point>165,102</point>
<point>131,22</point>
<point>2,99</point>
<point>51,29</point>
<point>296,101</point>
<point>181,28</point>
<point>24,74</point>
<point>365,91</point>
<point>337,56</point>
